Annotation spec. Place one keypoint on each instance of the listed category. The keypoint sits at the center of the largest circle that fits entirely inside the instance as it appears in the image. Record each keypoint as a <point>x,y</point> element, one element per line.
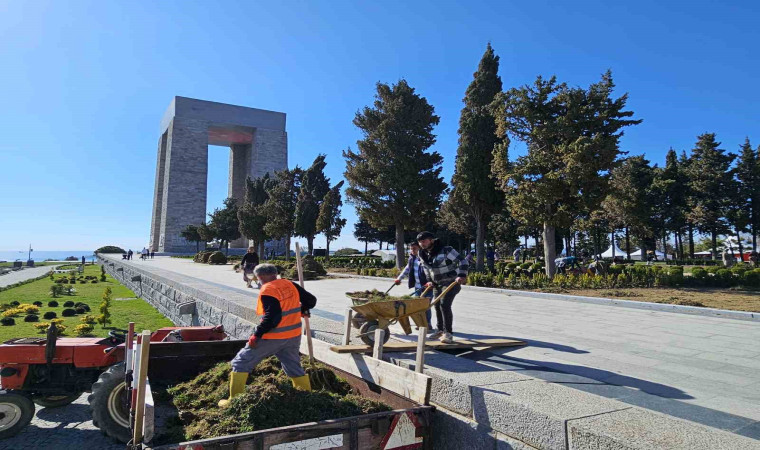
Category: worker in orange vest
<point>281,303</point>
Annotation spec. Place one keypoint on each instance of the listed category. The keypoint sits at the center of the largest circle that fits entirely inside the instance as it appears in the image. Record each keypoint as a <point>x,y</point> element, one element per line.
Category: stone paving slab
<point>18,276</point>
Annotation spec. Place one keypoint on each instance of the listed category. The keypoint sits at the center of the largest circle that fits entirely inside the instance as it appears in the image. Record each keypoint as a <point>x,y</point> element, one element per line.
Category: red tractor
<point>53,372</point>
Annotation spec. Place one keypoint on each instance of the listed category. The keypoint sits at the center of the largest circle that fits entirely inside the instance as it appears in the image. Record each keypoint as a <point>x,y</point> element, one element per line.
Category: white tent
<point>637,255</point>
<point>618,253</point>
<point>385,255</point>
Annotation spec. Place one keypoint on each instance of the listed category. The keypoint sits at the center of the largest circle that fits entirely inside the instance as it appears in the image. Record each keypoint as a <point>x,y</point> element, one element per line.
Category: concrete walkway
<point>703,369</point>
<point>24,274</point>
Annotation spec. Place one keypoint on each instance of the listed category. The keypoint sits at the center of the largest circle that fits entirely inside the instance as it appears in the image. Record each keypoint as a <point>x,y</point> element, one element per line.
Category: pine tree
<point>252,215</point>
<point>672,185</point>
<point>190,233</point>
<point>393,178</point>
<point>224,222</point>
<point>572,135</point>
<point>206,234</point>
<point>711,184</point>
<point>105,313</point>
<point>314,186</point>
<point>329,221</point>
<point>280,207</point>
<point>364,232</point>
<point>472,185</point>
<point>748,190</point>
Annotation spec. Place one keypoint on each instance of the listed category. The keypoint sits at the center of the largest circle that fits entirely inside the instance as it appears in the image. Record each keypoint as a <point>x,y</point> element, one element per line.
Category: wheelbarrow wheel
<point>358,320</point>
<point>368,333</point>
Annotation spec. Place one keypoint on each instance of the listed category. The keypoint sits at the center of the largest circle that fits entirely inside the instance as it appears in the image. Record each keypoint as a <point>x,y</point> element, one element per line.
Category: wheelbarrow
<point>384,314</point>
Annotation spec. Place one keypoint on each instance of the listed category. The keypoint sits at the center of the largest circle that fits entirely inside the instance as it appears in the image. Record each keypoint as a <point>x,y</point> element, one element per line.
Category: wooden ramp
<point>475,344</point>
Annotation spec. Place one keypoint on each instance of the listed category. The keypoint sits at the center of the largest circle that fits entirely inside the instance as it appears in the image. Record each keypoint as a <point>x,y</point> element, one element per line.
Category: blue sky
<point>84,84</point>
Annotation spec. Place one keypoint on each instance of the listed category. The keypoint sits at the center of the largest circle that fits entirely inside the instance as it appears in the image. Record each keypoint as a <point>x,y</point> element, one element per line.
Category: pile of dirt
<point>376,296</point>
<point>269,401</point>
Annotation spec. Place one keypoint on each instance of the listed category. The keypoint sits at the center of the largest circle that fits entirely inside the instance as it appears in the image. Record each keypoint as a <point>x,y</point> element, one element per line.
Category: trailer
<point>408,426</point>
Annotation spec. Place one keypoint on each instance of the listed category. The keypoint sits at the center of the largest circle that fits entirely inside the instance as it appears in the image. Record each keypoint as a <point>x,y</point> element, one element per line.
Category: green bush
<point>15,303</point>
<point>110,249</point>
<point>752,278</point>
<point>37,303</point>
<point>56,290</point>
<point>346,251</point>
<point>699,274</point>
<point>69,312</point>
<point>31,318</point>
<point>713,269</point>
<point>49,315</point>
<point>80,310</point>
<point>68,304</point>
<point>217,258</point>
<point>7,321</point>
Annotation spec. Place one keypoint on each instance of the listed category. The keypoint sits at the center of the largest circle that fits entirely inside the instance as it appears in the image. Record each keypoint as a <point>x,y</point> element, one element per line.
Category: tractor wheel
<point>368,333</point>
<point>16,411</point>
<point>108,401</point>
<point>55,401</point>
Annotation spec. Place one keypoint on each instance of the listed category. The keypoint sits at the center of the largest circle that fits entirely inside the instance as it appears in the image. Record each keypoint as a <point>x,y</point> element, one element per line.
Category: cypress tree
<point>472,185</point>
<point>748,176</point>
<point>252,215</point>
<point>280,207</point>
<point>393,179</point>
<point>329,222</point>
<point>225,223</point>
<point>314,186</point>
<point>364,232</point>
<point>711,183</point>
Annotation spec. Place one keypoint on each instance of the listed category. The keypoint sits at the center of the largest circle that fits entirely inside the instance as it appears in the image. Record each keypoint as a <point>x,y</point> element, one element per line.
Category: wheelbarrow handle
<point>426,291</point>
<point>445,291</point>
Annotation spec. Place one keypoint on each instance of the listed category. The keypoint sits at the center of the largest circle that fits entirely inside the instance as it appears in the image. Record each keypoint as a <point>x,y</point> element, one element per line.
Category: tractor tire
<point>55,401</point>
<point>368,333</point>
<point>16,411</point>
<point>108,403</point>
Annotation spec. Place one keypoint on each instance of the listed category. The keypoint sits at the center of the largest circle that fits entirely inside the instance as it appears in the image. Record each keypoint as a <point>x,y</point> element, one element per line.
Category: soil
<point>376,296</point>
<point>270,401</point>
<point>726,298</point>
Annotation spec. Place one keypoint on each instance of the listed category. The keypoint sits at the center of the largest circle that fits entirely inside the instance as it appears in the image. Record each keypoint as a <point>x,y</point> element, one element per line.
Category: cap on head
<point>414,244</point>
<point>425,235</point>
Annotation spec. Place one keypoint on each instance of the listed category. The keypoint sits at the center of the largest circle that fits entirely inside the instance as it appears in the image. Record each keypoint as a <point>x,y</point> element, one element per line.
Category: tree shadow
<point>529,342</point>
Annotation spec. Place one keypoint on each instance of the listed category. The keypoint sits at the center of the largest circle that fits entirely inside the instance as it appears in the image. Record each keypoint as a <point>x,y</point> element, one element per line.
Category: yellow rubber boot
<point>301,383</point>
<point>237,386</point>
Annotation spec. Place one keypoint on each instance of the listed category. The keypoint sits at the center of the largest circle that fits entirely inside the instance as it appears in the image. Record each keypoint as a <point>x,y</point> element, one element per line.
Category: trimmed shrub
<point>32,318</point>
<point>95,281</point>
<point>12,312</point>
<point>699,274</point>
<point>53,304</point>
<point>37,303</point>
<point>84,329</point>
<point>88,319</point>
<point>29,309</point>
<point>7,321</point>
<point>49,315</point>
<point>110,249</point>
<point>68,304</point>
<point>713,269</point>
<point>68,312</point>
<point>15,303</point>
<point>217,258</point>
<point>81,310</point>
<point>723,277</point>
<point>752,278</point>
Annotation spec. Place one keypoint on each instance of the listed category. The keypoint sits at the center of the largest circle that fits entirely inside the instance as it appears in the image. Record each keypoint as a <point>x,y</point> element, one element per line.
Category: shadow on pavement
<point>529,342</point>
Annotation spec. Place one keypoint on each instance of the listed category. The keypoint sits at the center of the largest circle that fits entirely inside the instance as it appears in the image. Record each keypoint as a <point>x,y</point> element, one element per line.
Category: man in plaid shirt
<point>442,265</point>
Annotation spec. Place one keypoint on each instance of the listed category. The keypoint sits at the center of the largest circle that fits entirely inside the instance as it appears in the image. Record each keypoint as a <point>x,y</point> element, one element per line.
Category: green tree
<point>472,185</point>
<point>671,183</point>
<point>280,207</point>
<point>711,183</point>
<point>329,221</point>
<point>629,201</point>
<point>252,215</point>
<point>748,189</point>
<point>314,186</point>
<point>190,233</point>
<point>364,232</point>
<point>206,233</point>
<point>393,178</point>
<point>105,313</point>
<point>572,135</point>
<point>346,251</point>
<point>684,163</point>
<point>224,222</point>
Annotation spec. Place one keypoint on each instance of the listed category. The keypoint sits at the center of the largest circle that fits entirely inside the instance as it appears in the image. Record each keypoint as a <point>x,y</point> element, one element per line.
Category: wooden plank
<point>347,326</point>
<point>433,345</point>
<point>142,375</point>
<point>377,350</point>
<point>419,361</point>
<point>412,385</point>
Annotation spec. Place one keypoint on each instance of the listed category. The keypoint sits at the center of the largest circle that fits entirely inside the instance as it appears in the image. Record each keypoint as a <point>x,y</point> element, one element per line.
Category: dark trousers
<point>443,313</point>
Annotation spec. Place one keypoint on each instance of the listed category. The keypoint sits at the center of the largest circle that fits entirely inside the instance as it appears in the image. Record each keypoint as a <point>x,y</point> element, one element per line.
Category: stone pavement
<point>23,275</point>
<point>66,428</point>
<point>704,369</point>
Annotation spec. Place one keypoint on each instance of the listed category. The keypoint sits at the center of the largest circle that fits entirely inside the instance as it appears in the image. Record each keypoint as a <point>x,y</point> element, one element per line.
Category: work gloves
<point>252,341</point>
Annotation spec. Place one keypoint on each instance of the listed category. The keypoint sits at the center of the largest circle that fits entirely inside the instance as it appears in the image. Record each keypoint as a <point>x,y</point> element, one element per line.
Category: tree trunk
<point>261,249</point>
<point>480,242</point>
<point>627,245</point>
<point>741,247</point>
<point>400,254</point>
<point>366,244</point>
<point>714,237</point>
<point>197,245</point>
<point>691,242</point>
<point>287,248</point>
<point>327,250</point>
<point>754,238</point>
<point>550,252</point>
<point>310,245</point>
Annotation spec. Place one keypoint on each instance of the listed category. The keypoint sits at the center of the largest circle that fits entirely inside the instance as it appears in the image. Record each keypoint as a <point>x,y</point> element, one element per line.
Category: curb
<point>679,309</point>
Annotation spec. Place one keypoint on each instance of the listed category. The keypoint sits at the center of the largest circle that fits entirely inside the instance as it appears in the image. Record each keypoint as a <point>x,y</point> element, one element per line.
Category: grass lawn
<point>145,316</point>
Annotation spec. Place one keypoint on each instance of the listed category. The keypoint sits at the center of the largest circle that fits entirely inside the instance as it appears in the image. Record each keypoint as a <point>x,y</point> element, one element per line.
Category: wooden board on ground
<point>404,382</point>
<point>477,344</point>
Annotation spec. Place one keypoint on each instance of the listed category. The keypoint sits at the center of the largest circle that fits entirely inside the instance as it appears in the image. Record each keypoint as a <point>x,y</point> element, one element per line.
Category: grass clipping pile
<point>376,296</point>
<point>269,401</point>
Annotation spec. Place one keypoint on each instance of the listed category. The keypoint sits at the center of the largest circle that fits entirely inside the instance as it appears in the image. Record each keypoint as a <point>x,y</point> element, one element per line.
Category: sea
<point>42,255</point>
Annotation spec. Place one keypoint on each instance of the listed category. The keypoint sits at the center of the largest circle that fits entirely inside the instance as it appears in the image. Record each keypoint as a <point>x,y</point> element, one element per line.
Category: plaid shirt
<point>442,264</point>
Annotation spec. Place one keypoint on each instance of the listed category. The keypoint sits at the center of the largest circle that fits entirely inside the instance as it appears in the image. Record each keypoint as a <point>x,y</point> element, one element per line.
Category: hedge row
<point>355,262</point>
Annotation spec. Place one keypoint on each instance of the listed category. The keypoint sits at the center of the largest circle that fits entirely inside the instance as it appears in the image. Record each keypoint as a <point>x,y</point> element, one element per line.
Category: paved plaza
<point>18,276</point>
<point>704,369</point>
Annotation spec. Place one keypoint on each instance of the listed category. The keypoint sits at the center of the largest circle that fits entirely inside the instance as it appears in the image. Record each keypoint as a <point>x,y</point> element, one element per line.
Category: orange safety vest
<point>290,303</point>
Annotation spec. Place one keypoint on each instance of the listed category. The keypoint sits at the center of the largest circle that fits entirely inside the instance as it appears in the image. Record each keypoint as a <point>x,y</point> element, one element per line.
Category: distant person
<point>248,263</point>
<point>130,253</point>
<point>82,259</point>
<point>443,266</point>
<point>152,254</point>
<point>417,278</point>
<point>490,259</point>
<point>516,254</point>
<point>753,259</point>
